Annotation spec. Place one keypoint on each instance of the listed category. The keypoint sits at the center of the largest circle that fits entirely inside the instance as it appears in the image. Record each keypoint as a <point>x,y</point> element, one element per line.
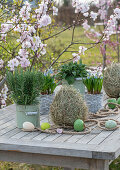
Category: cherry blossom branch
<point>2,82</point>
<point>60,55</point>
<point>5,49</point>
<point>57,33</point>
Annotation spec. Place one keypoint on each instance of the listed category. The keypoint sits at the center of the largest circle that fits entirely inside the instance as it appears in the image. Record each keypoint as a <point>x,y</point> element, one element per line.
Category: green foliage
<point>93,84</point>
<point>71,71</point>
<point>49,84</point>
<point>25,86</point>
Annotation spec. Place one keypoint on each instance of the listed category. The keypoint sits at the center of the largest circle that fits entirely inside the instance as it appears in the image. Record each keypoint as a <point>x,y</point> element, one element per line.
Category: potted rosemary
<point>73,73</point>
<point>94,97</point>
<point>47,93</point>
<point>25,87</point>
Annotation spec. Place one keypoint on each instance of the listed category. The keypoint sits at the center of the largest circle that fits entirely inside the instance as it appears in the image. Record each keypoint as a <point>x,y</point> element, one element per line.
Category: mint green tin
<point>27,113</point>
<point>78,85</point>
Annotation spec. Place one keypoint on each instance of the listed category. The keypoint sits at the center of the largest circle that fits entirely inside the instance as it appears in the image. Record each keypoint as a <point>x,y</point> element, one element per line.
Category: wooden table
<point>92,151</point>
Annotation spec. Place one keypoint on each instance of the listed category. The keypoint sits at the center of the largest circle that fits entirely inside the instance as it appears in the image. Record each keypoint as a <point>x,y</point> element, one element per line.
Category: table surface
<point>99,144</point>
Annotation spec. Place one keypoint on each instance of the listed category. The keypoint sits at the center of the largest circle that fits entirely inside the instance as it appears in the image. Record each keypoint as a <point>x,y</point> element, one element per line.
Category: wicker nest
<point>111,82</point>
<point>68,106</point>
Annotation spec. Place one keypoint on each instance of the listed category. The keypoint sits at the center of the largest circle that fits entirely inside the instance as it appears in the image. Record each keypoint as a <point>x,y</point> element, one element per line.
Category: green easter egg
<point>78,125</point>
<point>112,106</point>
<point>45,126</point>
<point>118,100</point>
<point>110,124</point>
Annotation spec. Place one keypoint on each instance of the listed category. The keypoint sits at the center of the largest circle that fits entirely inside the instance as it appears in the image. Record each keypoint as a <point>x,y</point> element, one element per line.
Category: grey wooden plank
<point>87,138</point>
<point>11,107</point>
<point>6,114</point>
<point>51,148</point>
<point>7,124</point>
<point>62,138</point>
<point>100,137</point>
<point>7,129</point>
<point>51,137</point>
<point>41,136</point>
<point>19,135</point>
<point>11,133</point>
<point>104,134</point>
<point>6,119</point>
<point>30,135</point>
<point>74,138</point>
<point>99,165</point>
<point>49,160</point>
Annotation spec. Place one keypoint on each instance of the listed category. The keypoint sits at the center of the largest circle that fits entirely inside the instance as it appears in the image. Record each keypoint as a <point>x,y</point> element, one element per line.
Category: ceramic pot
<point>78,84</point>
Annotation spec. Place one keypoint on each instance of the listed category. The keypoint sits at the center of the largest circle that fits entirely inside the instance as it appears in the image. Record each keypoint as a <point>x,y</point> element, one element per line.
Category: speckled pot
<point>45,102</point>
<point>94,102</point>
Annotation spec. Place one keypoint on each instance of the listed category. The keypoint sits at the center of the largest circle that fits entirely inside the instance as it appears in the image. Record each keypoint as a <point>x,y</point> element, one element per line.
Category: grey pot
<point>45,102</point>
<point>94,102</point>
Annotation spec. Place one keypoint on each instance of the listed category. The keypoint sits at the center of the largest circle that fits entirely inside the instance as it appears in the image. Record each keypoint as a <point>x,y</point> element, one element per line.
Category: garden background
<point>97,56</point>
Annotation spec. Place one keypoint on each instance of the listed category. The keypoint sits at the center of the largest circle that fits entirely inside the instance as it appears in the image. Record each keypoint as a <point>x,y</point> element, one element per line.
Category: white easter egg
<point>57,89</point>
<point>28,126</point>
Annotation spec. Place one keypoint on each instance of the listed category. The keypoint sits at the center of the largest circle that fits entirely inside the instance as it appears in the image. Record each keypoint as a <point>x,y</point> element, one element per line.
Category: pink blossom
<point>76,57</point>
<point>31,29</point>
<point>93,15</point>
<point>13,63</point>
<point>86,14</point>
<point>55,10</point>
<point>117,12</point>
<point>23,52</point>
<point>24,62</point>
<point>26,44</point>
<point>59,131</point>
<point>85,25</point>
<point>44,21</point>
<point>82,49</point>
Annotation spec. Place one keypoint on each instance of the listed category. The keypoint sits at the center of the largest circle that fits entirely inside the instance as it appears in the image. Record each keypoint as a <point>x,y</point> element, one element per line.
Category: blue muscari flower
<point>88,77</point>
<point>89,74</point>
<point>101,77</point>
<point>96,77</point>
<point>45,74</point>
<point>50,71</point>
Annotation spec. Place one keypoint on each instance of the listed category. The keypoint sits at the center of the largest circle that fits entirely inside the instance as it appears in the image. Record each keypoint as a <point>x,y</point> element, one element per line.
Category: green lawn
<point>92,57</point>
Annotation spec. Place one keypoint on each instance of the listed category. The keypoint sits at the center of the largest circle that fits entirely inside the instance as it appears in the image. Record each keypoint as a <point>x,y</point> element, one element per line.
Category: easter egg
<point>78,125</point>
<point>45,126</point>
<point>118,100</point>
<point>110,124</point>
<point>112,106</point>
<point>28,126</point>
